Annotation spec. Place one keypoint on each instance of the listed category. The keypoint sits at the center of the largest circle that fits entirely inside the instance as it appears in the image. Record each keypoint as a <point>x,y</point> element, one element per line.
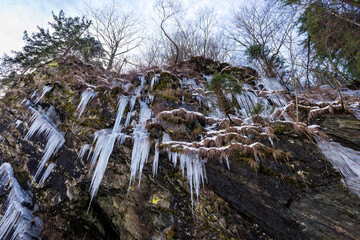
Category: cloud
<point>16,16</point>
<point>19,15</point>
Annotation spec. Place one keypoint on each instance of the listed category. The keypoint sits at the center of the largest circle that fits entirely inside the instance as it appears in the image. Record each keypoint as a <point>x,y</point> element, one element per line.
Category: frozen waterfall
<point>345,160</point>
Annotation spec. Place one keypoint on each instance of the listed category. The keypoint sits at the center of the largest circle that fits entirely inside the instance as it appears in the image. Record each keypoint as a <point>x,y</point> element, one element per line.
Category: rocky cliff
<point>90,155</point>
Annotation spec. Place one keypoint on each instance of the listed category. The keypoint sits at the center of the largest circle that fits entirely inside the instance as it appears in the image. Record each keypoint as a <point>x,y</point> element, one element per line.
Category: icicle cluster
<point>141,147</point>
<point>55,139</point>
<point>105,140</point>
<point>46,89</point>
<point>195,169</point>
<point>47,173</point>
<point>86,96</point>
<point>18,221</point>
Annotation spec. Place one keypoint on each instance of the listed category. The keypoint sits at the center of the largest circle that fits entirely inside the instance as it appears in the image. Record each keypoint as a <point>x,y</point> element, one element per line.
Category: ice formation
<point>46,89</point>
<point>17,123</point>
<point>154,81</point>
<point>84,149</point>
<point>141,149</point>
<point>105,140</point>
<point>34,94</point>
<point>136,94</point>
<point>47,173</point>
<point>86,96</point>
<point>271,84</point>
<point>55,139</point>
<point>195,169</point>
<point>18,221</point>
<point>156,158</point>
<point>345,160</point>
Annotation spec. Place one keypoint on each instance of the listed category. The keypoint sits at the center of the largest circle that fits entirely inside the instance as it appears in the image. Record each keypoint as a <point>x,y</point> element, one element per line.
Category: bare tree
<point>118,31</point>
<point>167,9</point>
<point>261,30</point>
<point>207,20</point>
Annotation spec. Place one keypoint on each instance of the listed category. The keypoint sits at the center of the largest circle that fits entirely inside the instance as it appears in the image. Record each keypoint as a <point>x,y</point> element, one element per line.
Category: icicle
<point>154,81</point>
<point>103,149</point>
<point>145,113</point>
<point>18,221</point>
<point>141,149</point>
<point>105,140</point>
<point>156,158</point>
<point>83,150</point>
<point>123,101</point>
<point>195,170</point>
<point>86,96</point>
<point>140,154</point>
<point>34,93</point>
<point>46,89</point>
<point>227,162</point>
<point>345,160</point>
<point>55,139</point>
<point>143,80</point>
<point>17,123</point>
<point>47,173</point>
<point>130,113</point>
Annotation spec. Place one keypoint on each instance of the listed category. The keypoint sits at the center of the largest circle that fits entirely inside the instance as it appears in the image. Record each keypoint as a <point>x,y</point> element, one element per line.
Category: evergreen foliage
<point>272,61</point>
<point>222,84</point>
<point>257,109</point>
<point>333,28</point>
<point>45,46</point>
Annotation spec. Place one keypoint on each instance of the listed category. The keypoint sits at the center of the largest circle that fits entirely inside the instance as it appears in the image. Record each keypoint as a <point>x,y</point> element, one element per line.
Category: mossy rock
<point>204,65</point>
<point>155,130</point>
<point>167,80</point>
<point>241,73</point>
<point>284,129</point>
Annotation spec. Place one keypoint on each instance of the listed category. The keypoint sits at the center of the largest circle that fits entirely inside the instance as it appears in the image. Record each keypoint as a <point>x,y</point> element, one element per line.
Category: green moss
<point>11,99</point>
<point>69,109</point>
<point>166,80</point>
<point>98,123</point>
<point>165,97</point>
<point>281,129</point>
<point>241,73</point>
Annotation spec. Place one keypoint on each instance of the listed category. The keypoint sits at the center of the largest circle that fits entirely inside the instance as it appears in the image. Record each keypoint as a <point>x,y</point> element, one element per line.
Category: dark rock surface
<point>297,197</point>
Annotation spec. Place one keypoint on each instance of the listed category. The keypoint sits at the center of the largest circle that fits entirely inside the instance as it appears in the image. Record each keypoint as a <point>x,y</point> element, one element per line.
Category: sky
<point>16,16</point>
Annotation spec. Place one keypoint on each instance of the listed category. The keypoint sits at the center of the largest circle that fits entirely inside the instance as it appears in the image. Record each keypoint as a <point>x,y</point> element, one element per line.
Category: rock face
<point>264,177</point>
